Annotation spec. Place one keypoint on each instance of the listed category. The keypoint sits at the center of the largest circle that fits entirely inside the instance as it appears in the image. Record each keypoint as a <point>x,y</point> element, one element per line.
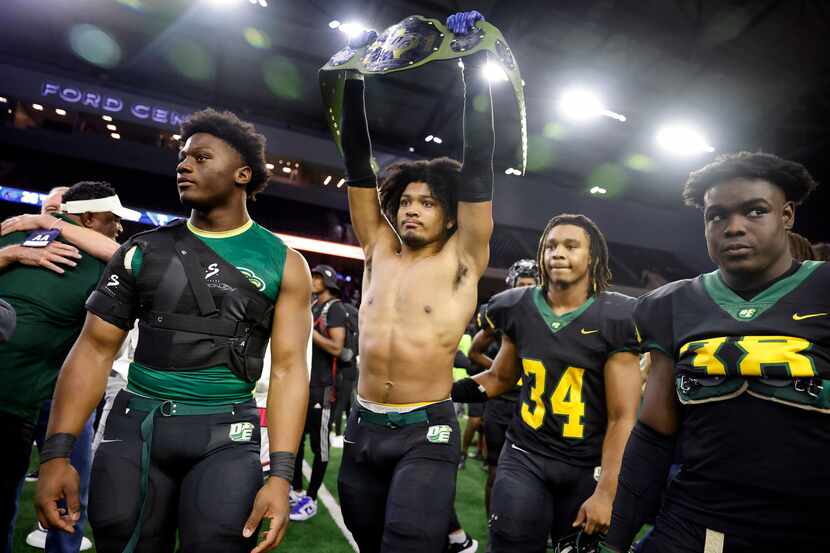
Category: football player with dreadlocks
<point>499,411</point>
<point>574,346</point>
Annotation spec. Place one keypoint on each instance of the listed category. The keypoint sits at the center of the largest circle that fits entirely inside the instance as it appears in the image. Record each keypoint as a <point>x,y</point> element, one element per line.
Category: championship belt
<point>414,42</point>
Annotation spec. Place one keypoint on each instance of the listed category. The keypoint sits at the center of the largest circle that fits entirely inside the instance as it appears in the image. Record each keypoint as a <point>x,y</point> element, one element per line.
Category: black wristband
<point>282,464</point>
<point>468,390</point>
<point>56,446</point>
<point>645,467</point>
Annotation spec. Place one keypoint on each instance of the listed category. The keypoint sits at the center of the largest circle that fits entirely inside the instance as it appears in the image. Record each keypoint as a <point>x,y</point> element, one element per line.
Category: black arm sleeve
<point>479,138</point>
<point>357,147</point>
<point>461,361</point>
<point>468,390</point>
<point>645,467</point>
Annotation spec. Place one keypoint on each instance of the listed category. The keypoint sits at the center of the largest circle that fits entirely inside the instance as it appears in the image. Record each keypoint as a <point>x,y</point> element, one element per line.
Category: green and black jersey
<point>260,256</point>
<point>562,403</point>
<point>753,378</point>
<point>50,315</point>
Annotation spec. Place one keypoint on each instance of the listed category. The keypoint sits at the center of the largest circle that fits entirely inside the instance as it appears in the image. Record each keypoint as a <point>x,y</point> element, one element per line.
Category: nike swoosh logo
<point>345,441</point>
<point>583,331</point>
<point>797,317</point>
<point>110,441</point>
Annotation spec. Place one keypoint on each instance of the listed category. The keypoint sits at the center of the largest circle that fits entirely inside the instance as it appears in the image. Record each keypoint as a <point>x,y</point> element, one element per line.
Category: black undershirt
<point>752,292</point>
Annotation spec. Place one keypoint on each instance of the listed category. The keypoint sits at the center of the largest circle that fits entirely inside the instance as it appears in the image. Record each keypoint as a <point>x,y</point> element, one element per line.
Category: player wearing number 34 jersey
<point>575,348</point>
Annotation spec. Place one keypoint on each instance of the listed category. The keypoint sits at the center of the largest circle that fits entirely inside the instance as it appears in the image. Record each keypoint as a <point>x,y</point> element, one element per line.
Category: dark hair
<point>442,174</point>
<point>600,272</point>
<point>789,176</point>
<point>821,251</point>
<point>800,247</point>
<point>88,190</point>
<point>240,135</point>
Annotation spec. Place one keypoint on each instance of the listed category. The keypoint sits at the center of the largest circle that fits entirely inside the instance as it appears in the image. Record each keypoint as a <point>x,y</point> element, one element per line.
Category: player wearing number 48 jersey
<point>740,362</point>
<point>575,348</point>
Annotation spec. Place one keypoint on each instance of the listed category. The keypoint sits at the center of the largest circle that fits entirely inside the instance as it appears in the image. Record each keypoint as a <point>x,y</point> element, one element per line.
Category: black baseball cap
<point>329,276</point>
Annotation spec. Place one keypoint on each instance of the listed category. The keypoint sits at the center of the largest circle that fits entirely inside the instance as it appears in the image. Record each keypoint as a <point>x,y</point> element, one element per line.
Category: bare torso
<point>413,314</point>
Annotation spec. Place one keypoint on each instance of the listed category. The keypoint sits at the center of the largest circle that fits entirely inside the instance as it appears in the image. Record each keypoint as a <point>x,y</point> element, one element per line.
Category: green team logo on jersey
<point>252,277</point>
<point>439,434</point>
<point>555,325</point>
<point>747,313</point>
<point>241,432</point>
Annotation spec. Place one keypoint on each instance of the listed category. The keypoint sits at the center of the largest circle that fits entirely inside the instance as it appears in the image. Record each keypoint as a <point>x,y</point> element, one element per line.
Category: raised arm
<point>287,397</point>
<point>367,219</point>
<point>648,456</point>
<point>80,387</point>
<point>622,393</point>
<point>90,241</point>
<point>475,193</point>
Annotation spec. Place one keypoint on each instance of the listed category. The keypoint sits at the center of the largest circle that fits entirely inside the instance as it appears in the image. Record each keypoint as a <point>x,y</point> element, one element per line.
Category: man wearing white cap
<point>47,282</point>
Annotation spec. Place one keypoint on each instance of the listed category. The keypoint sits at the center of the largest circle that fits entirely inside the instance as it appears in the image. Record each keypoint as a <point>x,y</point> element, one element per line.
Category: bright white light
<point>270,166</point>
<point>320,246</point>
<point>115,135</point>
<point>411,149</point>
<point>598,190</point>
<point>224,3</point>
<point>580,104</point>
<point>437,140</point>
<point>286,170</point>
<point>263,3</point>
<point>38,107</point>
<point>177,137</point>
<point>60,111</point>
<point>352,28</point>
<point>682,140</point>
<point>112,127</point>
<point>460,63</point>
<point>341,182</point>
<point>327,180</point>
<point>333,24</point>
<point>512,171</point>
<point>493,72</point>
<point>106,118</point>
<point>3,100</point>
<point>428,138</point>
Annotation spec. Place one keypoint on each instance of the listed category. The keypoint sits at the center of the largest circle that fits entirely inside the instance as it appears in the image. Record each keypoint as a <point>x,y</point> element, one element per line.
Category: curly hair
<point>240,135</point>
<point>442,175</point>
<point>600,271</point>
<point>88,190</point>
<point>791,177</point>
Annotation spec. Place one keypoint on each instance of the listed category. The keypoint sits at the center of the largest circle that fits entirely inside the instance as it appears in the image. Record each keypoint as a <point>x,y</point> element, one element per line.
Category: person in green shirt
<point>180,451</point>
<point>47,286</point>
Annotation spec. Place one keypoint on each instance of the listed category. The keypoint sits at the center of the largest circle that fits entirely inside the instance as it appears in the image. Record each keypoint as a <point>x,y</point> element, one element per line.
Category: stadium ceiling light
<point>512,171</point>
<point>115,135</point>
<point>437,140</point>
<point>352,28</point>
<point>341,182</point>
<point>493,72</point>
<point>270,166</point>
<point>333,24</point>
<point>598,190</point>
<point>682,140</point>
<point>580,104</point>
<point>38,107</point>
<point>106,118</point>
<point>112,127</point>
<point>3,100</point>
<point>327,180</point>
<point>411,149</point>
<point>60,111</point>
<point>286,169</point>
<point>177,137</point>
<point>428,138</point>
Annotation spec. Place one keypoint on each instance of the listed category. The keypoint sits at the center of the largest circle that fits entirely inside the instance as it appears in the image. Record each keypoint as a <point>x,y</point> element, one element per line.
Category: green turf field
<point>319,534</point>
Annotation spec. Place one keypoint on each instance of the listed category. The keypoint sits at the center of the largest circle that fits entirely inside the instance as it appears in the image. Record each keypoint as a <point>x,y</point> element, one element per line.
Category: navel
<point>427,309</point>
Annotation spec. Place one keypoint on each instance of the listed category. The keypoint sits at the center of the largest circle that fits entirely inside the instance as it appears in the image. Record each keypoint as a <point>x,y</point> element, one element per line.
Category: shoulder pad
<point>508,298</point>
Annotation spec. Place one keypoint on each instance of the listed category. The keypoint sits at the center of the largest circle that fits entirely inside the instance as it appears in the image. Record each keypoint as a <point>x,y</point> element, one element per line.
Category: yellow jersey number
<point>566,398</point>
<point>759,352</point>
